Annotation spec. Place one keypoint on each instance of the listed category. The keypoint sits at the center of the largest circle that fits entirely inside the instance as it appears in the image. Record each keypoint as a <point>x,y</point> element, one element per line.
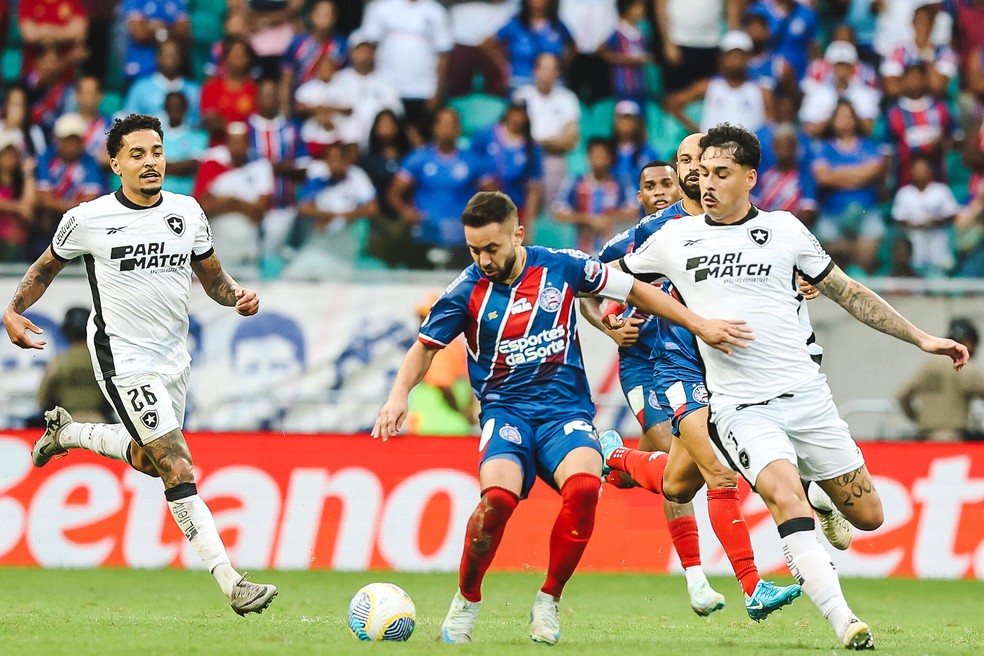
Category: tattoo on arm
<point>867,307</point>
<point>35,282</point>
<point>218,284</point>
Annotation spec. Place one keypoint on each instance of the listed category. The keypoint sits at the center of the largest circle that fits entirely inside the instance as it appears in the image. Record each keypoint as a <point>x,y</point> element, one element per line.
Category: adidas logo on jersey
<point>520,306</point>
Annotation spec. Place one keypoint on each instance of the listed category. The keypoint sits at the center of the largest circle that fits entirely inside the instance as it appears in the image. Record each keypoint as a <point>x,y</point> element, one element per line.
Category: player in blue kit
<point>658,188</point>
<point>515,305</point>
<point>678,388</point>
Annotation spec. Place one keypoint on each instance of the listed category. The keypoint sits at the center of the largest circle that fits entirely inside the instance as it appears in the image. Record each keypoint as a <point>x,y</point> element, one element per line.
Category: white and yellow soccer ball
<point>382,611</point>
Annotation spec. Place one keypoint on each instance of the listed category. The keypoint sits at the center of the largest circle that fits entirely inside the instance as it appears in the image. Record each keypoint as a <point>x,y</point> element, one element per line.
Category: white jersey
<point>138,261</point>
<point>745,270</point>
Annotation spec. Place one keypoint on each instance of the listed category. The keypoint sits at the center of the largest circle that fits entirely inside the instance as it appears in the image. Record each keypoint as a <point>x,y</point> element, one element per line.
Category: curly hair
<point>132,123</point>
<point>744,145</point>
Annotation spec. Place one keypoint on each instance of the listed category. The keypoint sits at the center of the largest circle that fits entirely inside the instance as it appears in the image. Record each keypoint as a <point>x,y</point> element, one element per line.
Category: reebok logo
<point>691,242</point>
<point>113,231</point>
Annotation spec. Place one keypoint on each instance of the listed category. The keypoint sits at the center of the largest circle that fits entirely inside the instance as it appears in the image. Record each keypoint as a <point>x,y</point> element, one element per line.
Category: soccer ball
<point>382,611</point>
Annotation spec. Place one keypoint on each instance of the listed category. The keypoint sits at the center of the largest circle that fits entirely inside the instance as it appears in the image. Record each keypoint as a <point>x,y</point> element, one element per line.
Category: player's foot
<point>704,599</point>
<point>48,445</point>
<point>835,528</point>
<point>249,597</point>
<point>856,635</point>
<point>769,597</point>
<point>609,441</point>
<point>460,620</point>
<point>545,617</point>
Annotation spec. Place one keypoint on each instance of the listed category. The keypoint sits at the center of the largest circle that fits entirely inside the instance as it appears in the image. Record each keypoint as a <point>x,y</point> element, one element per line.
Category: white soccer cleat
<point>460,620</point>
<point>835,528</point>
<point>545,619</point>
<point>48,445</point>
<point>249,597</point>
<point>856,635</point>
<point>704,599</point>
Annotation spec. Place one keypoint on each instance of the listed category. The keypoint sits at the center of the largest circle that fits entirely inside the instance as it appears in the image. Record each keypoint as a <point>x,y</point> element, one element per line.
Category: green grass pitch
<point>167,612</point>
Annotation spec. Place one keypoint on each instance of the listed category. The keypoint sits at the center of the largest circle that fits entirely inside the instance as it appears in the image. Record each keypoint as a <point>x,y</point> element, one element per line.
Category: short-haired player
<point>515,306</point>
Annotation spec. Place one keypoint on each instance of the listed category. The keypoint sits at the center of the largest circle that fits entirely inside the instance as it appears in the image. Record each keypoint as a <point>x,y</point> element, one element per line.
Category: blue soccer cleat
<point>769,597</point>
<point>609,441</point>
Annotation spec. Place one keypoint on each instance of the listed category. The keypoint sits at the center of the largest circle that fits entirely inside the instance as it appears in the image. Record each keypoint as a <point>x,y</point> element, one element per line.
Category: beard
<point>691,190</point>
<point>507,268</point>
<point>150,190</point>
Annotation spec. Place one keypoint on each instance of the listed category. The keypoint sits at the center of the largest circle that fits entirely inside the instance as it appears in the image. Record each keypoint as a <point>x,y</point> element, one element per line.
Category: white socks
<point>810,565</point>
<point>695,576</point>
<point>195,520</point>
<point>110,440</point>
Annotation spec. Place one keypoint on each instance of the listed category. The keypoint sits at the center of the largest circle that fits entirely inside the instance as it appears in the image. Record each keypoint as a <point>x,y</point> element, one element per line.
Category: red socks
<point>683,530</point>
<point>482,538</point>
<point>728,523</point>
<point>571,531</point>
<point>645,467</point>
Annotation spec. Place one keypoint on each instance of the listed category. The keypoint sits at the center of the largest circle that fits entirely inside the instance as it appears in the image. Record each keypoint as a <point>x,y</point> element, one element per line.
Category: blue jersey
<point>523,349</point>
<point>670,340</point>
<point>443,185</point>
<point>616,248</point>
<point>516,164</point>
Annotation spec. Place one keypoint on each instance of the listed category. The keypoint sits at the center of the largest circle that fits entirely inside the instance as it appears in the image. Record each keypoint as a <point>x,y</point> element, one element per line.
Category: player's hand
<point>18,326</point>
<point>719,333</point>
<point>941,346</point>
<point>390,418</point>
<point>672,53</point>
<point>807,291</point>
<point>247,302</point>
<point>628,333</point>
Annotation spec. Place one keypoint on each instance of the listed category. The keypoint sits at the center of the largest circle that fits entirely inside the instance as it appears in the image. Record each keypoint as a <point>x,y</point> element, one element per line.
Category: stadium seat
<point>602,119</point>
<point>478,111</point>
<point>553,234</point>
<point>112,102</point>
<point>11,65</point>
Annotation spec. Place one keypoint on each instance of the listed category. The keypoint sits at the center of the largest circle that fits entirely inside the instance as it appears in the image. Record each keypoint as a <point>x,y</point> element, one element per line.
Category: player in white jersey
<point>140,246</point>
<point>771,410</point>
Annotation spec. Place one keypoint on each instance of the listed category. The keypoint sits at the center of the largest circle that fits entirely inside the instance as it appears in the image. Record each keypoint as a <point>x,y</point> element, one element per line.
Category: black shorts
<point>697,64</point>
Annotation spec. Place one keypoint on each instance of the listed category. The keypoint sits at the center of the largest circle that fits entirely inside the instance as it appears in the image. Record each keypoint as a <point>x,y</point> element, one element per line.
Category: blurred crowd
<point>326,136</point>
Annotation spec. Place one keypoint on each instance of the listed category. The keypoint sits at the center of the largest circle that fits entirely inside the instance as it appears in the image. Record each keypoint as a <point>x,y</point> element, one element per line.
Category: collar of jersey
<point>129,204</point>
<point>752,213</point>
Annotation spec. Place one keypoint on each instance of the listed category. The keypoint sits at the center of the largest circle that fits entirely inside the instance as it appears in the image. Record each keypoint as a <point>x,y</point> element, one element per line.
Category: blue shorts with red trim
<point>635,376</point>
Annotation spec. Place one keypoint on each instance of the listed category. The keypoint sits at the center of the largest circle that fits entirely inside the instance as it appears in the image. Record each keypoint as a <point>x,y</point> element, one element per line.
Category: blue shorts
<point>636,378</point>
<point>679,392</point>
<point>538,446</point>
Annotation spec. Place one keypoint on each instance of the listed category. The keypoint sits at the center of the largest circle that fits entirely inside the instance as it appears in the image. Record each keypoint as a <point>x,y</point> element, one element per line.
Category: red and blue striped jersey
<point>919,126</point>
<point>522,343</point>
<point>278,140</point>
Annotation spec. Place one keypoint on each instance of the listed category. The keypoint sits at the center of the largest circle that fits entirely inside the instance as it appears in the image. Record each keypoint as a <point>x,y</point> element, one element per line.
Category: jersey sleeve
<point>202,247</point>
<point>69,241</point>
<point>811,259</point>
<point>599,279</point>
<point>447,318</point>
<point>648,258</point>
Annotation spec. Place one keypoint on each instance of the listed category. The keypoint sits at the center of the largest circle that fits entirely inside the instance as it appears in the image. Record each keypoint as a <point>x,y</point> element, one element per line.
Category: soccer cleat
<point>857,635</point>
<point>769,597</point>
<point>835,528</point>
<point>249,597</point>
<point>609,441</point>
<point>460,620</point>
<point>48,445</point>
<point>545,618</point>
<point>704,599</point>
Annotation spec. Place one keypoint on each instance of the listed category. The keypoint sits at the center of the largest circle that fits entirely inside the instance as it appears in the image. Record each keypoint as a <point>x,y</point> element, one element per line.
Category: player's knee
<point>679,491</point>
<point>868,517</point>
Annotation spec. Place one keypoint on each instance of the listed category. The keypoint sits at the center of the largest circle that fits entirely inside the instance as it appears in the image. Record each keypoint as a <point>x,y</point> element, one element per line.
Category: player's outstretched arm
<point>716,333</point>
<point>871,309</point>
<point>34,283</point>
<point>393,413</point>
<point>222,289</point>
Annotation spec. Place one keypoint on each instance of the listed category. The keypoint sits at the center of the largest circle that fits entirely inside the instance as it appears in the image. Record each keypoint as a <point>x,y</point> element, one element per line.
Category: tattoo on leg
<point>853,485</point>
<point>172,459</point>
